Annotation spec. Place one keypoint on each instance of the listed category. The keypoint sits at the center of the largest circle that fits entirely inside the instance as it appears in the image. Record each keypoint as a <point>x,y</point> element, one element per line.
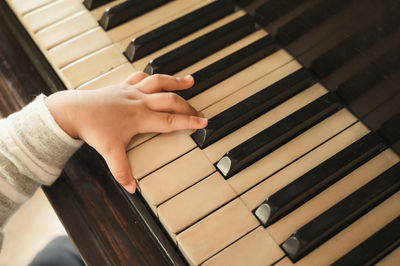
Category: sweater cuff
<point>42,143</point>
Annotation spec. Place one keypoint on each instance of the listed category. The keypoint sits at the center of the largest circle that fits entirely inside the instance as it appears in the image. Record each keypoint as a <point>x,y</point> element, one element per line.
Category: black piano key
<point>273,9</point>
<point>170,32</point>
<point>354,45</point>
<point>230,65</point>
<point>127,10</point>
<point>247,110</point>
<point>309,19</point>
<point>269,139</point>
<point>92,4</point>
<point>201,47</point>
<point>313,182</point>
<point>342,214</point>
<point>375,247</point>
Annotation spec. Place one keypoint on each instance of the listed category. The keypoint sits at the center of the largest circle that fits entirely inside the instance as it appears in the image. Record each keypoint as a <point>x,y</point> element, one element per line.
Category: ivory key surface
<point>93,65</point>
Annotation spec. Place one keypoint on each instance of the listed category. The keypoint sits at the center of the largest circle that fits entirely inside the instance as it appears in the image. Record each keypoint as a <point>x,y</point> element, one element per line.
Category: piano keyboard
<point>284,174</point>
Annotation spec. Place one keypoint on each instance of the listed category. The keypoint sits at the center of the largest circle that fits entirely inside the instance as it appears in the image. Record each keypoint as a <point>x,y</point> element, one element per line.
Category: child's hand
<point>108,118</point>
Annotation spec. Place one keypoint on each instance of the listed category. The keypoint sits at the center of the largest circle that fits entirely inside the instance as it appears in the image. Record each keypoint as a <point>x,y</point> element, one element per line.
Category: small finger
<point>169,102</point>
<point>160,83</point>
<point>118,164</point>
<point>171,122</point>
<point>136,78</point>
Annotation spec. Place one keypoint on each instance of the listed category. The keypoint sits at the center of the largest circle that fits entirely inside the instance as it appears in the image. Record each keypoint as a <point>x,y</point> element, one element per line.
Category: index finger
<point>160,83</point>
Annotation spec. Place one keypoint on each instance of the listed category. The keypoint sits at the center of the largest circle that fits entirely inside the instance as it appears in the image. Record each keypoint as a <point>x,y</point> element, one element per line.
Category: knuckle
<point>172,98</point>
<point>141,75</point>
<point>157,79</point>
<point>169,120</point>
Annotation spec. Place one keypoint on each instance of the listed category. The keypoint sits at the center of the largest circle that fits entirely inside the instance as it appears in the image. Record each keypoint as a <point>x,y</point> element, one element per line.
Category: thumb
<point>118,164</point>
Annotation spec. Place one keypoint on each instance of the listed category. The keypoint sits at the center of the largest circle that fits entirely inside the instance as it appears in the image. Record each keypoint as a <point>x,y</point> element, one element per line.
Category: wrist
<point>62,106</point>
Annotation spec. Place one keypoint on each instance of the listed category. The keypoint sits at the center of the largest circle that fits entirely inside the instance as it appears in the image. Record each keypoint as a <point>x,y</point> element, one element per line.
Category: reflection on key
<point>313,182</point>
<point>273,9</point>
<point>273,137</point>
<point>342,214</point>
<point>302,24</point>
<point>199,48</point>
<point>176,29</point>
<point>375,247</point>
<point>247,110</point>
<point>91,4</point>
<point>127,10</point>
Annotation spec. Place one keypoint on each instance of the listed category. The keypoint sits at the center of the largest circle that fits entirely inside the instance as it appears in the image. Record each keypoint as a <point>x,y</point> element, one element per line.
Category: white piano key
<point>292,150</point>
<point>92,65</point>
<point>123,44</point>
<point>221,228</point>
<point>150,20</point>
<point>254,197</point>
<point>239,80</point>
<point>24,6</point>
<point>251,89</point>
<point>391,259</point>
<point>256,248</point>
<point>65,29</point>
<point>112,77</point>
<point>142,63</point>
<point>78,47</point>
<point>194,203</point>
<point>51,13</point>
<point>167,147</point>
<point>284,227</point>
<point>354,234</point>
<point>216,150</point>
<point>176,176</point>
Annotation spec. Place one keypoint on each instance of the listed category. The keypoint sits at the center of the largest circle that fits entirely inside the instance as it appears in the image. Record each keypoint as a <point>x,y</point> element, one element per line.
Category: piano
<point>299,164</point>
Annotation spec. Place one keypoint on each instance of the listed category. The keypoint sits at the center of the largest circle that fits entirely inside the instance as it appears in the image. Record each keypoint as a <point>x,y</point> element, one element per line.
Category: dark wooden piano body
<point>113,228</point>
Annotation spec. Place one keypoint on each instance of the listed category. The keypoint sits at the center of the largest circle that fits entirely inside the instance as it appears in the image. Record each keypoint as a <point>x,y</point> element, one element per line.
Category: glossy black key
<point>313,182</point>
<point>230,65</point>
<point>271,138</point>
<point>92,4</point>
<point>342,214</point>
<point>201,47</point>
<point>170,32</point>
<point>354,45</point>
<point>375,247</point>
<point>309,19</point>
<point>127,10</point>
<point>248,109</point>
<point>274,9</point>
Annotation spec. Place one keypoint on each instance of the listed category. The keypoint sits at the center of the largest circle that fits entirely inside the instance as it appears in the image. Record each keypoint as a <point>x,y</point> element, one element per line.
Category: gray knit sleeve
<point>33,151</point>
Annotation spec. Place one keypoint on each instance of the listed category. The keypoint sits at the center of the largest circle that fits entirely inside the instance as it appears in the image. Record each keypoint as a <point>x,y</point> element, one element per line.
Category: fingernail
<point>188,78</point>
<point>203,120</point>
<point>130,188</point>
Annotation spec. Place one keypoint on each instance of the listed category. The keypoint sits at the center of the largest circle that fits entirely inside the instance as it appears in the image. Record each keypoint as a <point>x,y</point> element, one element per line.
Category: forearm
<point>33,151</point>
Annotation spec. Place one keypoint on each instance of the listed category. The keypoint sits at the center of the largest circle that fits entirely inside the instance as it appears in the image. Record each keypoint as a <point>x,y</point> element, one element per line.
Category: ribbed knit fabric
<point>33,151</point>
